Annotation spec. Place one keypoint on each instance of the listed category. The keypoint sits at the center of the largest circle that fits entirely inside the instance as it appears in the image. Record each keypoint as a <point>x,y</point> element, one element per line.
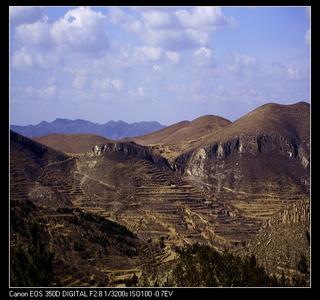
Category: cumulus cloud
<point>202,57</point>
<point>156,18</point>
<point>175,40</point>
<point>138,93</point>
<point>36,34</point>
<point>81,29</point>
<point>176,29</point>
<point>25,14</point>
<point>157,68</point>
<point>116,15</point>
<point>294,73</point>
<point>48,93</point>
<point>147,53</point>
<point>135,26</point>
<point>107,85</point>
<point>173,57</point>
<point>25,58</point>
<point>79,81</point>
<point>209,18</point>
<point>241,64</point>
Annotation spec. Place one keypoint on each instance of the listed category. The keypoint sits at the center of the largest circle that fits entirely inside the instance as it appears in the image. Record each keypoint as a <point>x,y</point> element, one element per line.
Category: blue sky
<point>163,64</point>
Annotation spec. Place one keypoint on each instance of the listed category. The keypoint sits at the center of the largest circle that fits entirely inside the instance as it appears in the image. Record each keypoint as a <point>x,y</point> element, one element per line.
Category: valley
<point>115,213</point>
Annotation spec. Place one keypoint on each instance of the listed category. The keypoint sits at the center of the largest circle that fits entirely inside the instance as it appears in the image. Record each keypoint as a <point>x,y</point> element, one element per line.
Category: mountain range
<point>113,129</point>
<point>242,186</point>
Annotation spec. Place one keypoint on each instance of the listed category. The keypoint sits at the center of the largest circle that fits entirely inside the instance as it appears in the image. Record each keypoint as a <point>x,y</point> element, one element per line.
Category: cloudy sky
<point>155,63</point>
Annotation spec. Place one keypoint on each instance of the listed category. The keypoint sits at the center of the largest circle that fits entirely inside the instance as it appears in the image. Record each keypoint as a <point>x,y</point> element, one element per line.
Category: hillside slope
<point>258,162</point>
<point>180,137</point>
<point>71,143</point>
<point>184,131</point>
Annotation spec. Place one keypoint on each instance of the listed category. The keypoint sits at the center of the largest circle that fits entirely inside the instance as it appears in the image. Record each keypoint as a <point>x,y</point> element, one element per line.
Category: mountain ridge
<point>111,130</point>
<point>184,131</point>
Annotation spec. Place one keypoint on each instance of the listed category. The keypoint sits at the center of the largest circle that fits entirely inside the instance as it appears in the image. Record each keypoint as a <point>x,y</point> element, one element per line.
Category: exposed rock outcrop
<point>271,144</point>
<point>130,149</point>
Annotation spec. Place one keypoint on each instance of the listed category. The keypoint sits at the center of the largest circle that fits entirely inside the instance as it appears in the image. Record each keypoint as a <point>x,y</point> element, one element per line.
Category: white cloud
<point>139,92</point>
<point>202,56</point>
<point>35,34</point>
<point>107,85</point>
<point>156,18</point>
<point>174,57</point>
<point>241,64</point>
<point>245,60</point>
<point>25,14</point>
<point>209,18</point>
<point>147,53</point>
<point>79,81</point>
<point>174,40</point>
<point>116,15</point>
<point>157,68</point>
<point>294,73</point>
<point>81,29</point>
<point>195,87</point>
<point>135,26</point>
<point>39,94</point>
<point>25,58</point>
<point>173,29</point>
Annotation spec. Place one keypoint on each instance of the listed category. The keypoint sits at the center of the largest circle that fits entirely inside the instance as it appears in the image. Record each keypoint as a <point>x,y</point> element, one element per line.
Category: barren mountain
<point>224,184</point>
<point>71,143</point>
<point>184,131</point>
<point>177,138</point>
<point>269,119</point>
<point>258,164</point>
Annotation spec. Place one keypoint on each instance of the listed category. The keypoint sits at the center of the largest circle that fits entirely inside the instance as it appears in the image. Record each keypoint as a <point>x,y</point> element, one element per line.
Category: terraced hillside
<point>258,163</point>
<point>51,236</point>
<point>70,247</point>
<point>156,203</point>
<point>219,190</point>
<point>282,244</point>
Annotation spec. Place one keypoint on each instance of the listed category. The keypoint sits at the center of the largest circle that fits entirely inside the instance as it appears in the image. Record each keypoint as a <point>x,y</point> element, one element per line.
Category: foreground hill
<point>112,130</point>
<point>71,143</point>
<point>54,240</point>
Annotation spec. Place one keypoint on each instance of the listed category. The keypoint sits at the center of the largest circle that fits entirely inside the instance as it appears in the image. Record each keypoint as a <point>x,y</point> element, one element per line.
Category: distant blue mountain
<point>113,129</point>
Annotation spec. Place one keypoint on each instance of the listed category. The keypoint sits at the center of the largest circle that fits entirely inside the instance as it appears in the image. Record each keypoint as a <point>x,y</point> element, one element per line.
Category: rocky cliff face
<point>130,149</point>
<point>241,156</point>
